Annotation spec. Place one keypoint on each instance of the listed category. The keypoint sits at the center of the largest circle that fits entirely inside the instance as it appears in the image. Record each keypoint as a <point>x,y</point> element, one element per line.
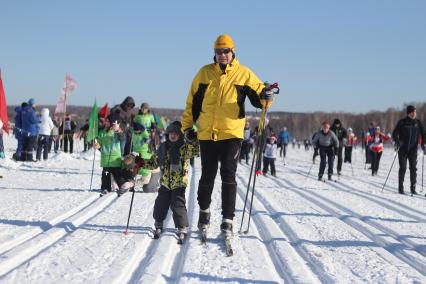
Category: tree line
<point>300,125</point>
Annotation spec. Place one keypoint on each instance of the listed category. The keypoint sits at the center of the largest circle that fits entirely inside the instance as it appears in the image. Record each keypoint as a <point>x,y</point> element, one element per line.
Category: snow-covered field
<point>53,230</point>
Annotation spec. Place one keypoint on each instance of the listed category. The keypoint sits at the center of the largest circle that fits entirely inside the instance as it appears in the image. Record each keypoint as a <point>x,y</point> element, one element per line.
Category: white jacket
<point>46,123</point>
<point>270,151</point>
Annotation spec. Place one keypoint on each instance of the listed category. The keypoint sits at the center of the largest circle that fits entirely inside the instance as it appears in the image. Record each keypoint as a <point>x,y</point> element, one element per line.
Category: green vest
<point>110,149</point>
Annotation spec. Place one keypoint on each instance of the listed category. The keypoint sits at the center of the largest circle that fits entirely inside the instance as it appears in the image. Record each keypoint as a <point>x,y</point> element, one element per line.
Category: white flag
<point>60,106</point>
<point>69,85</point>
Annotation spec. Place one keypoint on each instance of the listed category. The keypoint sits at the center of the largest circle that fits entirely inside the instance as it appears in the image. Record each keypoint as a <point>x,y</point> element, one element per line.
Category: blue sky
<point>327,55</point>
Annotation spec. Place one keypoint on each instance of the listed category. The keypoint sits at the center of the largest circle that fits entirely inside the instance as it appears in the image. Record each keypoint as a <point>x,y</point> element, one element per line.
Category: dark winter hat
<point>144,105</point>
<point>410,109</point>
<point>336,121</point>
<point>175,127</point>
<point>113,117</point>
<point>138,127</point>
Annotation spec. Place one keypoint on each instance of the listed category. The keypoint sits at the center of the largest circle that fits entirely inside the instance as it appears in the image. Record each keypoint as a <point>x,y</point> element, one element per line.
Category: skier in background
<point>340,132</point>
<point>43,141</point>
<point>270,155</point>
<point>408,133</point>
<point>376,146</point>
<point>283,140</point>
<point>349,142</point>
<point>328,144</point>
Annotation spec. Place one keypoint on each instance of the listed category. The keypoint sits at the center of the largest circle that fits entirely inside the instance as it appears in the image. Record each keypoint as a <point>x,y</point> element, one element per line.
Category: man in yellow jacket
<point>216,104</point>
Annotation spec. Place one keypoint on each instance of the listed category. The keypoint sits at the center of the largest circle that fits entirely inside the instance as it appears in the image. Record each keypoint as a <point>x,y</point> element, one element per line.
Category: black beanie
<point>410,109</point>
<point>175,127</point>
<point>113,117</point>
<point>138,127</point>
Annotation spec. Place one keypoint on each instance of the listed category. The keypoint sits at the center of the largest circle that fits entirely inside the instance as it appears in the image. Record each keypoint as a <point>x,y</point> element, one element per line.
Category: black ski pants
<point>375,161</point>
<point>68,139</point>
<point>28,147</point>
<point>367,155</point>
<point>245,150</point>
<point>348,155</point>
<point>120,176</point>
<point>283,150</point>
<point>212,152</point>
<point>175,200</point>
<point>339,155</point>
<point>43,142</point>
<point>266,163</point>
<point>326,155</point>
<point>411,156</point>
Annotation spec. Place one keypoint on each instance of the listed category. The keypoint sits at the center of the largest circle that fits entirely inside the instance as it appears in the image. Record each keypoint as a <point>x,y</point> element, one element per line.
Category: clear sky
<point>328,55</point>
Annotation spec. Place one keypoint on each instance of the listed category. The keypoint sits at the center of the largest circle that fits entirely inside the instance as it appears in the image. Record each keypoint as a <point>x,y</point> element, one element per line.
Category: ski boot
<point>181,234</point>
<point>203,223</point>
<point>226,228</point>
<point>158,229</point>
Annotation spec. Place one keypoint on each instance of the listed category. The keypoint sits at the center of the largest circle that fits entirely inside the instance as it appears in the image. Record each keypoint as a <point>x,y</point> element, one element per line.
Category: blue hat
<point>31,102</point>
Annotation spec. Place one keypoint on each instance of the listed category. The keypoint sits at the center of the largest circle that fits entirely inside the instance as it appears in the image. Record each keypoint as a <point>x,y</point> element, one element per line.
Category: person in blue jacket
<point>17,131</point>
<point>30,130</point>
<point>283,140</point>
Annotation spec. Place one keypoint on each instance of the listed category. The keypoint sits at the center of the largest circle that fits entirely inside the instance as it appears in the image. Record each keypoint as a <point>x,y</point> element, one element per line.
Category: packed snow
<point>54,230</point>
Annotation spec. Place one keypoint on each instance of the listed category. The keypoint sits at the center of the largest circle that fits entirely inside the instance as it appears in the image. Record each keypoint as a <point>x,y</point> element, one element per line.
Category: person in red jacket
<point>375,141</point>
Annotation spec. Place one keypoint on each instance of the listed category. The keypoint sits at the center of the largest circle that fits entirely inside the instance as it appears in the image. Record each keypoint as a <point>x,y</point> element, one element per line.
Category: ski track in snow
<point>53,230</point>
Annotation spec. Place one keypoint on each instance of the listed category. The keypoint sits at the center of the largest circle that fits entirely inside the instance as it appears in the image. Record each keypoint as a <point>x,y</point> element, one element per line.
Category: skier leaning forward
<point>216,102</point>
<point>328,145</point>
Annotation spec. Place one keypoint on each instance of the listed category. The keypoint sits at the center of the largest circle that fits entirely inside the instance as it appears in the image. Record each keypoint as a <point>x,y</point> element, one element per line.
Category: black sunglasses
<point>220,51</point>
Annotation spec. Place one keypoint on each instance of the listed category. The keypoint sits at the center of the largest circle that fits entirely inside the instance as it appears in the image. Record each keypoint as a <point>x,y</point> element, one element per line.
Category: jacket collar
<point>229,67</point>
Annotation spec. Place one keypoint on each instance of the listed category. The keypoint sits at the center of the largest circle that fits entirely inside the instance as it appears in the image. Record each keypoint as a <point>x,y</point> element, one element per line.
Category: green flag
<point>93,124</point>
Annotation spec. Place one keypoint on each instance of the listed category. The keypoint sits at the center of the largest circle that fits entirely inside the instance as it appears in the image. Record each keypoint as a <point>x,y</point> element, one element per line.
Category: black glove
<point>336,151</point>
<point>190,135</point>
<point>424,149</point>
<point>396,146</point>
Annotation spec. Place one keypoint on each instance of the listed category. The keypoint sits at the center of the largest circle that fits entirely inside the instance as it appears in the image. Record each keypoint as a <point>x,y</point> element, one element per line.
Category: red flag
<point>103,112</point>
<point>3,108</point>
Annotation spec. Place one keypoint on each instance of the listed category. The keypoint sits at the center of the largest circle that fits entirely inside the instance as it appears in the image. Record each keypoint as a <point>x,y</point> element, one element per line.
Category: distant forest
<point>300,125</point>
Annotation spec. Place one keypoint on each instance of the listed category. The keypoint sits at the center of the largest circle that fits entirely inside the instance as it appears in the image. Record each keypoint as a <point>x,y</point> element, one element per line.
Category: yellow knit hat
<point>224,41</point>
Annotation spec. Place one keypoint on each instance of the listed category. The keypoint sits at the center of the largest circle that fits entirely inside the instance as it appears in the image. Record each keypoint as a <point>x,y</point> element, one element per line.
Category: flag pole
<point>94,157</point>
<point>63,121</point>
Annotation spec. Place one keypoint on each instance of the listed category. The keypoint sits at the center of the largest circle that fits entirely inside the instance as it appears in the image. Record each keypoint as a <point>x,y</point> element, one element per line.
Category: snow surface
<point>53,230</point>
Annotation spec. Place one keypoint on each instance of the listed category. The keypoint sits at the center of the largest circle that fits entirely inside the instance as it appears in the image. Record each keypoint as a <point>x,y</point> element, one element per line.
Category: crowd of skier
<point>213,126</point>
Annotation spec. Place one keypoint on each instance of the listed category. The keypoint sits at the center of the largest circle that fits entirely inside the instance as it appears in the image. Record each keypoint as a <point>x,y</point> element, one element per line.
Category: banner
<point>61,106</point>
<point>92,133</point>
<point>103,112</point>
<point>69,85</point>
<point>3,107</point>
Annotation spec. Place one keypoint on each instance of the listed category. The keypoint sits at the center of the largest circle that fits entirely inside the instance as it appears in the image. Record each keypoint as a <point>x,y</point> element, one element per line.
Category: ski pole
<point>275,90</point>
<point>253,162</point>
<point>93,167</point>
<point>126,232</point>
<point>310,168</point>
<point>257,172</point>
<point>423,166</point>
<point>394,158</point>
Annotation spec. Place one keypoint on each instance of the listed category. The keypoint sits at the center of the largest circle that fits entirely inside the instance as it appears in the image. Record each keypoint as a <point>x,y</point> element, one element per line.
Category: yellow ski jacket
<point>216,101</point>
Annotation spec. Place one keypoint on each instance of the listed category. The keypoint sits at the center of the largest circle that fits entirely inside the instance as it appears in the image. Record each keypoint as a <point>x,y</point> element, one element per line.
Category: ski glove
<point>267,94</point>
<point>424,149</point>
<point>190,135</point>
